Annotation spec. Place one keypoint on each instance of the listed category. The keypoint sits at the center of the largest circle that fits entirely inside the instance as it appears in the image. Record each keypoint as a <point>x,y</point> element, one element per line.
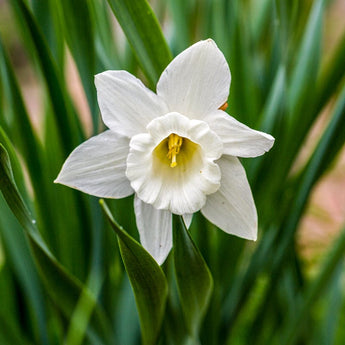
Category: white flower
<point>175,149</point>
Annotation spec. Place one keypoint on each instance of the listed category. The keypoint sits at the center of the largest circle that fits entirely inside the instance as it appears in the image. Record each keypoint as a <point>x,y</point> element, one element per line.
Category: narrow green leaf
<point>147,279</point>
<point>60,285</point>
<point>333,302</point>
<point>28,288</point>
<point>47,16</point>
<point>16,167</point>
<point>65,116</point>
<point>10,335</point>
<point>8,284</point>
<point>330,76</point>
<point>271,117</point>
<point>305,71</point>
<point>19,256</point>
<point>261,11</point>
<point>82,313</point>
<point>143,32</point>
<point>125,312</point>
<point>313,293</point>
<point>275,101</point>
<point>328,146</point>
<point>21,130</point>
<point>332,139</point>
<point>105,40</point>
<point>78,30</point>
<point>11,194</point>
<point>70,246</point>
<point>180,11</point>
<point>193,277</point>
<point>243,96</point>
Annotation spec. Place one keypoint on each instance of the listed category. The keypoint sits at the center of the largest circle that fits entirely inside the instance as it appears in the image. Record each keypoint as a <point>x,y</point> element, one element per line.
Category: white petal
<point>127,106</point>
<point>197,81</point>
<point>155,229</point>
<point>232,207</point>
<point>98,166</point>
<point>238,139</point>
<point>195,130</point>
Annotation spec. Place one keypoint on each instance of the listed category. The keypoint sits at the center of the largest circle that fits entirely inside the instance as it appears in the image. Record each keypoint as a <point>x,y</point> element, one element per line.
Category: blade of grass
<point>37,161</point>
<point>105,44</point>
<point>306,65</point>
<point>60,285</point>
<point>144,35</point>
<point>147,279</point>
<point>79,33</point>
<point>310,175</point>
<point>67,123</point>
<point>335,258</point>
<point>17,169</point>
<point>47,16</point>
<point>331,76</point>
<point>18,254</point>
<point>194,280</point>
<point>180,11</point>
<point>10,335</point>
<point>22,133</point>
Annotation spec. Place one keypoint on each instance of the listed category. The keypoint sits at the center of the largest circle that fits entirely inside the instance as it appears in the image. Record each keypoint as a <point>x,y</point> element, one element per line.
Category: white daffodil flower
<point>176,149</point>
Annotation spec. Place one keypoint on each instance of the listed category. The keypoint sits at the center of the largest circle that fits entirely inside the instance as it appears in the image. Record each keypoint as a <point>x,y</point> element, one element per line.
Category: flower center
<point>174,144</point>
<point>166,152</point>
<point>172,166</point>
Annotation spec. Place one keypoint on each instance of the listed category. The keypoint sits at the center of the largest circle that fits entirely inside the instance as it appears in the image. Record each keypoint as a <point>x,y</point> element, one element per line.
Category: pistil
<point>174,144</point>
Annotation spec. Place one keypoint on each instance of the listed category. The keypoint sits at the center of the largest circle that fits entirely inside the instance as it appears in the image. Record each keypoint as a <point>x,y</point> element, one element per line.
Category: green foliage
<point>144,35</point>
<point>194,280</point>
<point>148,281</point>
<point>61,277</point>
<point>52,273</point>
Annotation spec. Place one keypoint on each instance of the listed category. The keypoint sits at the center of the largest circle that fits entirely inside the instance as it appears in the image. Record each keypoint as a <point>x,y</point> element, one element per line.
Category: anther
<point>174,144</point>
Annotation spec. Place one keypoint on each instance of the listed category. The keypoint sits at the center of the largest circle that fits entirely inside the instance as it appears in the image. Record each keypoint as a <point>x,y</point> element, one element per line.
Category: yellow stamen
<point>174,144</point>
<point>224,106</point>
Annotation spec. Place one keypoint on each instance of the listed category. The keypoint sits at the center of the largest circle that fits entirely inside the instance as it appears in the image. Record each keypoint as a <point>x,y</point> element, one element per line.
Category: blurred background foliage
<point>61,275</point>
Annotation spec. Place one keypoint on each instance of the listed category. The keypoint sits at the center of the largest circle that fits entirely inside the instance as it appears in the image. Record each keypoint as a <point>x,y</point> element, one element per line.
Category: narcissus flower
<point>175,149</point>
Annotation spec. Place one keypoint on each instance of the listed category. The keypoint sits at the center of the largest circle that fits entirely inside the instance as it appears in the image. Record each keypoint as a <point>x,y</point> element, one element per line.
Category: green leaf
<point>334,301</point>
<point>60,285</point>
<point>328,146</point>
<point>181,15</point>
<point>65,116</point>
<point>142,29</point>
<point>63,134</point>
<point>147,279</point>
<point>11,194</point>
<point>105,39</point>
<point>16,167</point>
<point>334,259</point>
<point>305,71</point>
<point>28,286</point>
<point>330,76</point>
<point>10,335</point>
<point>21,130</point>
<point>194,280</point>
<point>47,16</point>
<point>80,38</point>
